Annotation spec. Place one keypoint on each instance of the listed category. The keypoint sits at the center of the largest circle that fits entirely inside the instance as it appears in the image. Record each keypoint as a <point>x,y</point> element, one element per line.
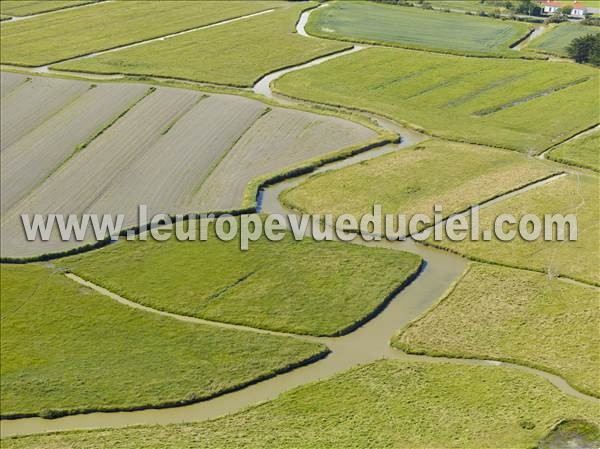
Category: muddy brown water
<point>368,343</point>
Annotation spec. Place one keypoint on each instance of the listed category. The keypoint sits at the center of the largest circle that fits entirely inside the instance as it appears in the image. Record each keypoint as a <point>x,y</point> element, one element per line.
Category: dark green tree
<point>585,49</point>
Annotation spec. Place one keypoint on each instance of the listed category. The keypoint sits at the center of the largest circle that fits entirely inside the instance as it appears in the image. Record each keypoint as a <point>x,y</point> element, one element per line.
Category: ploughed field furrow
<point>9,81</point>
<point>30,160</point>
<point>33,103</point>
<point>165,176</point>
<point>282,138</point>
<point>112,148</point>
<point>76,186</point>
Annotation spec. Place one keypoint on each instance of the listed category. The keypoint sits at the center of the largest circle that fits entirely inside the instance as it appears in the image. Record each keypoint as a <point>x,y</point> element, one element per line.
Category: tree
<point>585,49</point>
<point>566,10</point>
<point>527,7</point>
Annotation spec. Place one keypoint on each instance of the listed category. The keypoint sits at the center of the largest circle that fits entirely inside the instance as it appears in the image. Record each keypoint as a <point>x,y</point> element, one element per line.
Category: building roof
<point>578,5</point>
<point>554,4</point>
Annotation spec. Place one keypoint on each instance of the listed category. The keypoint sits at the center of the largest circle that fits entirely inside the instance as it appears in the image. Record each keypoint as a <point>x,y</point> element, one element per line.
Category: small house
<point>550,7</point>
<point>578,10</point>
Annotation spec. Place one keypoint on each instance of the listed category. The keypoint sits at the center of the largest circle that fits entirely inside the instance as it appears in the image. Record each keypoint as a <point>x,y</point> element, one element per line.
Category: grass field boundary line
<point>402,123</point>
<point>542,155</point>
<point>383,304</point>
<point>543,93</point>
<point>522,39</point>
<point>391,45</point>
<point>522,365</point>
<point>406,347</point>
<point>15,18</point>
<point>140,42</point>
<point>248,207</point>
<point>58,109</point>
<point>325,351</point>
<point>473,258</point>
<point>217,162</point>
<point>18,86</point>
<point>235,283</point>
<point>517,190</point>
<point>181,113</point>
<point>356,116</point>
<point>185,318</point>
<point>82,145</point>
<point>312,32</point>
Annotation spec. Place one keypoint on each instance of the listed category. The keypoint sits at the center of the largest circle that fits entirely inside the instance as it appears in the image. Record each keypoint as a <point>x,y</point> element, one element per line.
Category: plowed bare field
<point>175,150</point>
<point>29,104</point>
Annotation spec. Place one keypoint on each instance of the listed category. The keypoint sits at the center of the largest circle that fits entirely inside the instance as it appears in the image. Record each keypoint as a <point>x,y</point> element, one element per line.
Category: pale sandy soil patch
<point>34,102</point>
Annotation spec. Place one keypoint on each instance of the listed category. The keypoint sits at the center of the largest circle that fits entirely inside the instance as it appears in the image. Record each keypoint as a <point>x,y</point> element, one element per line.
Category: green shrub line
<point>81,146</point>
<point>248,205</point>
<point>560,160</point>
<point>117,47</point>
<point>315,108</point>
<point>51,414</point>
<point>222,157</point>
<point>135,229</point>
<point>552,147</point>
<point>522,39</point>
<point>310,29</point>
<point>178,78</point>
<point>181,113</point>
<point>254,187</point>
<point>418,269</point>
<point>381,306</point>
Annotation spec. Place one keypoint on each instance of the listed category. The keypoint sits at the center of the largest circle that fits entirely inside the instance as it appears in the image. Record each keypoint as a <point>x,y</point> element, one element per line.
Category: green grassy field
<point>416,28</point>
<point>574,194</point>
<point>28,7</point>
<point>411,181</point>
<point>67,349</point>
<point>513,315</point>
<point>303,287</point>
<point>55,37</point>
<point>235,54</point>
<point>521,105</point>
<point>470,5</point>
<point>556,40</point>
<point>583,152</point>
<point>386,404</point>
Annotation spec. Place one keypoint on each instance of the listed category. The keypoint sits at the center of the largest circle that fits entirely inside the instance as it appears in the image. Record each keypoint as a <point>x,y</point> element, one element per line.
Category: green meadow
<point>234,54</point>
<point>306,287</point>
<point>28,7</point>
<point>81,31</point>
<point>411,181</point>
<point>556,40</point>
<point>416,28</point>
<point>578,259</point>
<point>522,105</point>
<point>583,151</point>
<point>67,349</point>
<point>386,404</point>
<point>513,315</point>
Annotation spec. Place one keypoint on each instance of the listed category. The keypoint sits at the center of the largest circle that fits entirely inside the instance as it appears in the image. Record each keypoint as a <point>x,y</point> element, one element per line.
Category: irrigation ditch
<point>366,342</point>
